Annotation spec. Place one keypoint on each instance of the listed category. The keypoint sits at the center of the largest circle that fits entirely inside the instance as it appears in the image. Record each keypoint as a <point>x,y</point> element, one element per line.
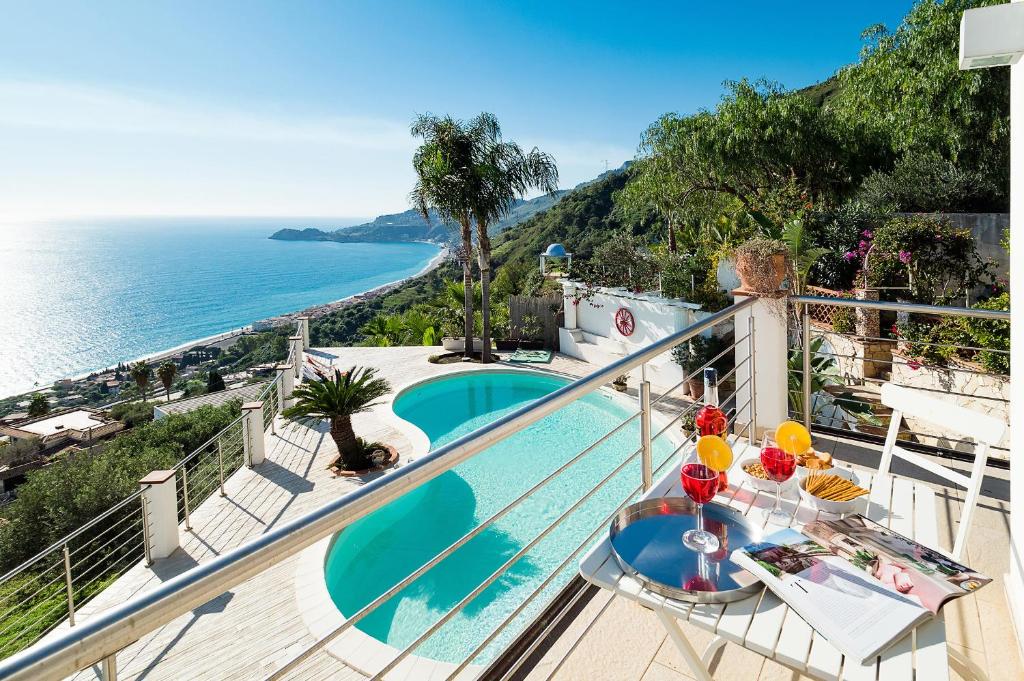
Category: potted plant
<point>620,383</point>
<point>336,400</point>
<point>762,264</point>
<point>692,356</point>
<point>531,333</point>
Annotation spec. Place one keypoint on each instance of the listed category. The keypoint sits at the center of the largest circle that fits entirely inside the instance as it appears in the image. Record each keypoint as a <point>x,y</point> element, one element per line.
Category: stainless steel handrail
<point>913,308</point>
<point>58,545</point>
<point>74,534</point>
<point>805,303</point>
<point>108,632</point>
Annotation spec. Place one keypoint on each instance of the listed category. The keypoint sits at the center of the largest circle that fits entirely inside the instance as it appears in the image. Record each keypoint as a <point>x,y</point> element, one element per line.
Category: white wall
<point>1015,581</point>
<point>590,332</point>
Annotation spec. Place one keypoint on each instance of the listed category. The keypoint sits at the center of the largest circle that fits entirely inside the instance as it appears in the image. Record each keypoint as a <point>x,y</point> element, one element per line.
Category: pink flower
<point>913,364</point>
<point>850,256</point>
<point>868,234</point>
<point>905,257</point>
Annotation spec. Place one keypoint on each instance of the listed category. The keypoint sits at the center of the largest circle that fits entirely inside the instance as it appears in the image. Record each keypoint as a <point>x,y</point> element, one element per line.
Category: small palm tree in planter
<point>336,400</point>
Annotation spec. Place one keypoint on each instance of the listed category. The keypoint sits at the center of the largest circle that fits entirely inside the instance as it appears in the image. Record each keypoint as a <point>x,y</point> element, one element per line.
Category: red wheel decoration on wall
<point>624,322</point>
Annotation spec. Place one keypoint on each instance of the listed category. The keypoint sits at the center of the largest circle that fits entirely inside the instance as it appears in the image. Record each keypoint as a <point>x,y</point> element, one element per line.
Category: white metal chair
<point>984,430</point>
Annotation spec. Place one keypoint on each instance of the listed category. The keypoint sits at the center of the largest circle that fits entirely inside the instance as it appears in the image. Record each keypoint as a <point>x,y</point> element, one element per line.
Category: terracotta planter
<point>695,388</point>
<point>390,460</point>
<point>760,276</point>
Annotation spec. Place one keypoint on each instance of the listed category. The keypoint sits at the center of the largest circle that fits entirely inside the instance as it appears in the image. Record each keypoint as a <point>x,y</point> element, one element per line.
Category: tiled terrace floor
<point>251,631</point>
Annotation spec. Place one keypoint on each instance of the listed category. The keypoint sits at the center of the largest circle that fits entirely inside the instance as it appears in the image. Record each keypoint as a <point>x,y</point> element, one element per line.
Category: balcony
<point>243,594</point>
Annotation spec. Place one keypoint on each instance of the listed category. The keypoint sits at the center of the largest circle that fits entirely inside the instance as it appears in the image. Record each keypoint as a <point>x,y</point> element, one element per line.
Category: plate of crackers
<point>812,461</point>
<point>831,492</point>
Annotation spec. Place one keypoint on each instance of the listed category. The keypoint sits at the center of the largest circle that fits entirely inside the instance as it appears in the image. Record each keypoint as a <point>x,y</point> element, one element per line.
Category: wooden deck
<point>250,631</point>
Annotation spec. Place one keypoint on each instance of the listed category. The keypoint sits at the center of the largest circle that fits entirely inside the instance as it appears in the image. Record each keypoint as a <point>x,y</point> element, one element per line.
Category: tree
<point>503,172</point>
<point>214,382</point>
<point>167,373</point>
<point>771,150</point>
<point>140,373</point>
<point>38,405</point>
<point>337,400</point>
<point>908,89</point>
<point>442,164</point>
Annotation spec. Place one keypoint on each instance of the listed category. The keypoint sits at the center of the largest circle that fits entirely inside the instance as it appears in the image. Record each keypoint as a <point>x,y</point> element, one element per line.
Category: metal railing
<point>48,588</point>
<point>102,636</point>
<point>843,349</point>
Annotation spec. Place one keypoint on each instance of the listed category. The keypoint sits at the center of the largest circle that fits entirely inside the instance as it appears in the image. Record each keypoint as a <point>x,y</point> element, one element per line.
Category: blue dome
<point>556,251</point>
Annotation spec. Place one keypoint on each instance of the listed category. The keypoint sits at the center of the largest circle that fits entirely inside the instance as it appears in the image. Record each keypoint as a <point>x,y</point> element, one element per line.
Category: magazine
<point>860,585</point>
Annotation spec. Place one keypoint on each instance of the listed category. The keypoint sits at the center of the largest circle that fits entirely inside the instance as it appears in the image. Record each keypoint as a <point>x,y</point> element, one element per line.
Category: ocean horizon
<point>82,295</point>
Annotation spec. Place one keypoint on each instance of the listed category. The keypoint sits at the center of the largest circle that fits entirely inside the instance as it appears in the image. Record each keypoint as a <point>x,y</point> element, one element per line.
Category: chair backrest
<point>984,430</point>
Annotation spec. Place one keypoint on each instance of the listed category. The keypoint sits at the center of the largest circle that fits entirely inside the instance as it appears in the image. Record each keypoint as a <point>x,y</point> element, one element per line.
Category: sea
<point>81,295</point>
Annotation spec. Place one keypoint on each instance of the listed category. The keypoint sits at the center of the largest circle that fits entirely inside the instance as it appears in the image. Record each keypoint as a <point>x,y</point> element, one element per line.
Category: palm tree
<point>167,372</point>
<point>503,173</point>
<point>140,374</point>
<point>337,400</point>
<point>443,185</point>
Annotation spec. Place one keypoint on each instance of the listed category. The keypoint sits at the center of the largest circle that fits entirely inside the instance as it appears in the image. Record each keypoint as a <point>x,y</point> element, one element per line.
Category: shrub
<point>925,182</point>
<point>132,414</point>
<point>76,488</point>
<point>935,260</point>
<point>993,335</point>
<point>698,351</point>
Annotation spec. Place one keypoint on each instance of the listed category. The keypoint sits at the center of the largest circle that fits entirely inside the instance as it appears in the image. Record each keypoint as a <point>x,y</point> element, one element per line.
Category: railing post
<point>646,458</point>
<point>67,582</point>
<point>286,386</point>
<point>253,434</point>
<point>805,344</point>
<point>220,465</point>
<point>304,331</point>
<point>160,513</point>
<point>752,413</point>
<point>184,497</point>
<point>296,342</point>
<point>110,668</point>
<point>147,545</point>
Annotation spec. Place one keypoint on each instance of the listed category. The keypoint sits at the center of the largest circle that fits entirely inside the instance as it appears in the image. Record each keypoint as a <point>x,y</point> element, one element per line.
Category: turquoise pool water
<point>376,552</point>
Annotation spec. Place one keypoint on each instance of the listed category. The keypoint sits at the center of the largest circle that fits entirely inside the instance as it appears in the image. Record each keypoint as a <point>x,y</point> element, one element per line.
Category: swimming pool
<point>376,552</point>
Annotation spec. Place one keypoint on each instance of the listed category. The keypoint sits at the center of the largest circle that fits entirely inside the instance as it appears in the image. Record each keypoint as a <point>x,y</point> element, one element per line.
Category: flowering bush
<point>934,260</point>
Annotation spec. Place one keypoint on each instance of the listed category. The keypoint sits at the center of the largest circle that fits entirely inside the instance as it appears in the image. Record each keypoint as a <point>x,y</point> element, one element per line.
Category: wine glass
<point>700,484</point>
<point>780,467</point>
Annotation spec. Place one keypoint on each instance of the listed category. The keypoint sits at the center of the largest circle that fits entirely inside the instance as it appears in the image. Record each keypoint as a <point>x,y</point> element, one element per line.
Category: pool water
<point>376,552</point>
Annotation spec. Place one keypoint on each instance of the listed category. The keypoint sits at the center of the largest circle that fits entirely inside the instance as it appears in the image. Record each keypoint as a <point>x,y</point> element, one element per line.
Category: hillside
<point>410,225</point>
<point>583,219</point>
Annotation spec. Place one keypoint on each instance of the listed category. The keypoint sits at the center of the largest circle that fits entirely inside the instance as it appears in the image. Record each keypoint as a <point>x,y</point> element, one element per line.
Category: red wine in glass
<point>780,467</point>
<point>700,484</point>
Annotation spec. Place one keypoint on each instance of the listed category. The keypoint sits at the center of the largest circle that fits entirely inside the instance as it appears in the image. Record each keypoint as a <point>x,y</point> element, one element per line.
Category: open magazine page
<point>920,573</point>
<point>860,616</point>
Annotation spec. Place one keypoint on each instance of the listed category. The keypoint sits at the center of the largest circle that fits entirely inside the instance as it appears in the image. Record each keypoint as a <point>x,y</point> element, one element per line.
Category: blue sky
<point>302,108</point>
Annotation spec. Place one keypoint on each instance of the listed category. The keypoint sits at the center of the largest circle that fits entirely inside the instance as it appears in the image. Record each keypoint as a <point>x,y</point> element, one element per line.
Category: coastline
<point>262,324</point>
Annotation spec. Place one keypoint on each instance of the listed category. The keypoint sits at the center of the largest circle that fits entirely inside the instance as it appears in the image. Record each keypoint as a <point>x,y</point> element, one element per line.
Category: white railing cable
<point>106,633</point>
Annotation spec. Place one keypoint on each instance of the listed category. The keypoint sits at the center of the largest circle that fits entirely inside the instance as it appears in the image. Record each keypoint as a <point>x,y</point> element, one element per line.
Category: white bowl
<point>836,507</point>
<point>756,483</point>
